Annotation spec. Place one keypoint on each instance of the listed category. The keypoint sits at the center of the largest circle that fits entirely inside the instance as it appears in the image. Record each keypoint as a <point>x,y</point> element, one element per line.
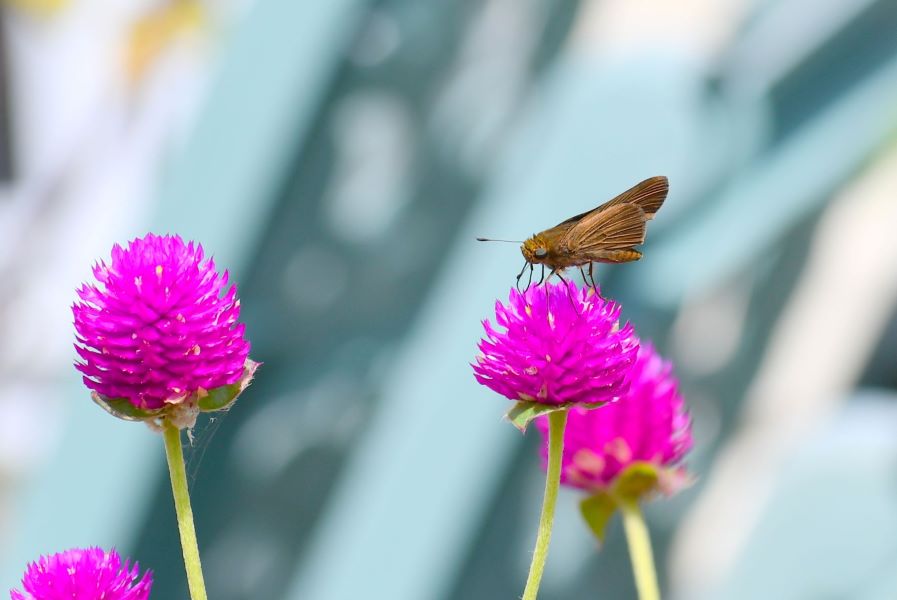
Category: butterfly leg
<point>592,278</point>
<point>566,285</point>
<point>520,275</point>
<point>542,278</point>
<point>547,279</point>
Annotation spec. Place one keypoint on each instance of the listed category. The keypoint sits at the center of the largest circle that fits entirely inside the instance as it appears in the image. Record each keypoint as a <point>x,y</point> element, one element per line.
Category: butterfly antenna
<point>479,239</point>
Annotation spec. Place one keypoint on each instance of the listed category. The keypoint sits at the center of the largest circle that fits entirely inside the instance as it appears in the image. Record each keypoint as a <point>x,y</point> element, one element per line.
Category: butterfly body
<point>605,234</point>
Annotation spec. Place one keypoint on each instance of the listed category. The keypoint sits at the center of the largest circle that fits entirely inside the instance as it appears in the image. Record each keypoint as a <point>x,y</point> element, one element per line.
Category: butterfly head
<point>535,249</point>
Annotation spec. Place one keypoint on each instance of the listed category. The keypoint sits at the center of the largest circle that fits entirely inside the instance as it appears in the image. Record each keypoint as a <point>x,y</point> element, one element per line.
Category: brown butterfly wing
<point>608,234</point>
<point>649,195</point>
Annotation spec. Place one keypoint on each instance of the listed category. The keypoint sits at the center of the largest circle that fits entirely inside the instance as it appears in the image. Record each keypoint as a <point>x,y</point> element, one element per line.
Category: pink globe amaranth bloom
<point>560,345</point>
<point>648,426</point>
<point>159,328</point>
<point>83,574</point>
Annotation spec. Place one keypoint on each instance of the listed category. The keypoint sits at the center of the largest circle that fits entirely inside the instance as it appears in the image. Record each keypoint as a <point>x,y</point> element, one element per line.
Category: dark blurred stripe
<point>6,143</point>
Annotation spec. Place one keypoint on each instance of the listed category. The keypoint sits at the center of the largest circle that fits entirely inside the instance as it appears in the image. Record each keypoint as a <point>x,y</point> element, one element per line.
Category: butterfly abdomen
<point>618,256</point>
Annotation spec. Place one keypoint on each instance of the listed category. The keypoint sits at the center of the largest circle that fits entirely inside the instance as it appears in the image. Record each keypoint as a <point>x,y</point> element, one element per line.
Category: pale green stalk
<point>557,420</point>
<point>175,455</point>
<point>640,550</point>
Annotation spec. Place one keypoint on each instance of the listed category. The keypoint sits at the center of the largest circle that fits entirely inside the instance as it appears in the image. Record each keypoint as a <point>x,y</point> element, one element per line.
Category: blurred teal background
<point>340,158</point>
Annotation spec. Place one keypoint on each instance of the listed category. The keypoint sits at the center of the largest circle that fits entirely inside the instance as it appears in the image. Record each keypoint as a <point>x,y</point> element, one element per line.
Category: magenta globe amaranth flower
<point>561,345</point>
<point>624,452</point>
<point>158,332</point>
<point>83,574</point>
<point>648,429</point>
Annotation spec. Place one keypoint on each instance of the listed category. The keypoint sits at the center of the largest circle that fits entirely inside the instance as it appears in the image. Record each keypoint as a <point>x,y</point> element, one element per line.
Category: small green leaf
<point>638,479</point>
<point>123,409</point>
<point>597,511</point>
<point>523,412</point>
<point>219,398</point>
<point>222,397</point>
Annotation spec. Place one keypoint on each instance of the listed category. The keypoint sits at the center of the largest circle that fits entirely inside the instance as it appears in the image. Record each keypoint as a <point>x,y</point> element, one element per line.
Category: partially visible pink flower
<point>649,424</point>
<point>159,326</point>
<point>560,345</point>
<point>83,574</point>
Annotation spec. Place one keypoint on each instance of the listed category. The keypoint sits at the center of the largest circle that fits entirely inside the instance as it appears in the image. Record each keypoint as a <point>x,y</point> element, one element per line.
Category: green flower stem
<point>640,550</point>
<point>557,420</point>
<point>175,455</point>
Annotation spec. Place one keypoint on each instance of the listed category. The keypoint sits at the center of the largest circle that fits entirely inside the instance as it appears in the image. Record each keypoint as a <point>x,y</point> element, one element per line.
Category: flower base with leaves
<point>180,412</point>
<point>638,482</point>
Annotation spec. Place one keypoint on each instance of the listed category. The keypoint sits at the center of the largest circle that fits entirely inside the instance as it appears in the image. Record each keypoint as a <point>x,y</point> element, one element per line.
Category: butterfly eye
<point>540,253</point>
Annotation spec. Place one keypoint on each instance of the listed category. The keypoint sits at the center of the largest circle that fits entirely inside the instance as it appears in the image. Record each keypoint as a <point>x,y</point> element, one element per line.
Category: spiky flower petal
<point>159,326</point>
<point>648,426</point>
<point>83,574</point>
<point>560,345</point>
